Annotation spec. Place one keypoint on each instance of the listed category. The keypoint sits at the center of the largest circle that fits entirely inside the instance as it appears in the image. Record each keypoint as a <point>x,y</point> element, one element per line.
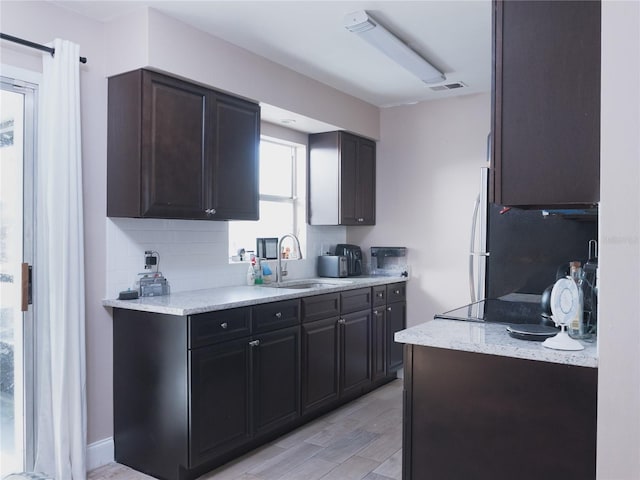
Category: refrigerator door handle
<point>472,247</point>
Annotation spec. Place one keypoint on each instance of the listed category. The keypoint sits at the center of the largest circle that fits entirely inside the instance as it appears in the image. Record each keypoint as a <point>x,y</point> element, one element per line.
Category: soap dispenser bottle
<point>251,275</point>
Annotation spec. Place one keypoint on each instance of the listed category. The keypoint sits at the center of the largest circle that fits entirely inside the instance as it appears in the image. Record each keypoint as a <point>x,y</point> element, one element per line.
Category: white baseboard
<point>100,453</point>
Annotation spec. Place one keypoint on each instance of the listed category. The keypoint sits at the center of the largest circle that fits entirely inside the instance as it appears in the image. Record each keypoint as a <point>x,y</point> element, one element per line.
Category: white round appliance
<point>564,306</point>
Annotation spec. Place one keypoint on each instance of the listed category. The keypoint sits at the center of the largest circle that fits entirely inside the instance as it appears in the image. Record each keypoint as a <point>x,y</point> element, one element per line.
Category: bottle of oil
<point>576,325</point>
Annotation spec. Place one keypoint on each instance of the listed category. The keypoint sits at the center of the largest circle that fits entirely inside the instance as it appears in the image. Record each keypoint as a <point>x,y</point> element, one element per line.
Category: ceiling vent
<point>448,86</point>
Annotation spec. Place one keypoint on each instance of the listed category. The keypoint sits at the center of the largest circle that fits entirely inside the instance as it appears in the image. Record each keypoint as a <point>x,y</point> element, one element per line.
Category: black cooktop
<point>498,311</point>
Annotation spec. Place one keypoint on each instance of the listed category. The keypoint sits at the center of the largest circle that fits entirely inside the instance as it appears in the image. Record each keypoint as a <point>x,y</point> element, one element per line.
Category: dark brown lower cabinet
<point>275,379</point>
<point>487,417</point>
<point>336,359</point>
<point>396,320</point>
<point>355,352</point>
<point>320,363</point>
<point>241,389</point>
<point>193,392</point>
<point>378,343</point>
<point>180,412</point>
<point>220,399</point>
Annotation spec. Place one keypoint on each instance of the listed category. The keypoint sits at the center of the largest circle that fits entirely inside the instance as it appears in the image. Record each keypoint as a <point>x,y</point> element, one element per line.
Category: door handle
<point>26,286</point>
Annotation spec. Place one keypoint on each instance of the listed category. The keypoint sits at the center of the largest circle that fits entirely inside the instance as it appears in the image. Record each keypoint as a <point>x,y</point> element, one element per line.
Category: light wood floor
<point>360,441</point>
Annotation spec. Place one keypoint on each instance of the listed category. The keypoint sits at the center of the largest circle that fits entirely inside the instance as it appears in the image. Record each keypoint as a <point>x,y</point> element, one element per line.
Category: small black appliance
<point>354,257</point>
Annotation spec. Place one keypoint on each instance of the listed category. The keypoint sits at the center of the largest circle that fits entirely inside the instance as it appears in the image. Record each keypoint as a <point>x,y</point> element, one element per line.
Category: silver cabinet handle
<point>278,315</point>
<point>380,295</point>
<point>210,211</point>
<point>388,309</point>
<point>375,312</point>
<point>361,219</point>
<point>397,292</point>
<point>255,343</point>
<point>224,325</point>
<point>342,321</point>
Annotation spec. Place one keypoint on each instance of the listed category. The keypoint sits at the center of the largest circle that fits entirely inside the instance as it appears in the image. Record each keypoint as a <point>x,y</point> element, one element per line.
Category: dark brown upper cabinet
<point>180,150</point>
<point>546,104</point>
<point>342,179</point>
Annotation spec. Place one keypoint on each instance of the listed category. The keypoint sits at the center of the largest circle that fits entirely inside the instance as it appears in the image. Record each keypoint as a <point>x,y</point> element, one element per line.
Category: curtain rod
<point>37,46</point>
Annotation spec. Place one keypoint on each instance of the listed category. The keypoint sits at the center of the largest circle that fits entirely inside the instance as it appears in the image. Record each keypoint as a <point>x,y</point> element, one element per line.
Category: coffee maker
<point>354,258</point>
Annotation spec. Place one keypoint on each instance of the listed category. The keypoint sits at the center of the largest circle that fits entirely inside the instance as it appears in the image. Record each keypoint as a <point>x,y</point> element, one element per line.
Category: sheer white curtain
<point>59,272</point>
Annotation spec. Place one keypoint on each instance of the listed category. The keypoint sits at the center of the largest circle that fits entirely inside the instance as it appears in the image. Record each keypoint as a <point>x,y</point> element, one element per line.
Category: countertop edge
<point>491,339</point>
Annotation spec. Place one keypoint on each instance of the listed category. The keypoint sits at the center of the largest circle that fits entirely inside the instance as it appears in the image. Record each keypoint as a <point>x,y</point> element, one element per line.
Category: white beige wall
<point>619,329</point>
<point>427,179</point>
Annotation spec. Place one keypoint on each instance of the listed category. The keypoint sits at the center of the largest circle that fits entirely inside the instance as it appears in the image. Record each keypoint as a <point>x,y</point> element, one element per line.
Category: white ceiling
<point>309,37</point>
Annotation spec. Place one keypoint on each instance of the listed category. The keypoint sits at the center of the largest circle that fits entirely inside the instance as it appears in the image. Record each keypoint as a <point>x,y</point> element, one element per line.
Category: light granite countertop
<point>492,339</point>
<point>222,298</point>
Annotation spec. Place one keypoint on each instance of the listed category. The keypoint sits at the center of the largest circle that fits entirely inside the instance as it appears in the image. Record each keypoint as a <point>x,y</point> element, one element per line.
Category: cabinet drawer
<point>320,306</point>
<point>379,295</point>
<point>215,327</point>
<point>355,300</point>
<point>272,316</point>
<point>396,292</point>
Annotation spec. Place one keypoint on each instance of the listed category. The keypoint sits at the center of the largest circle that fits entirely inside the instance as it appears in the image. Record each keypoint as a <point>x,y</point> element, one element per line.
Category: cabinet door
<point>235,189</point>
<point>319,363</point>
<point>378,343</point>
<point>219,399</point>
<point>396,320</point>
<point>176,143</point>
<point>366,183</point>
<point>357,180</point>
<point>546,122</point>
<point>355,350</point>
<point>275,376</point>
<point>348,179</point>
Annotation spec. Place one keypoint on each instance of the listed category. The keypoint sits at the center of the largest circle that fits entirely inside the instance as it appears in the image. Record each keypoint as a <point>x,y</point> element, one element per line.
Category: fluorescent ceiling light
<point>360,22</point>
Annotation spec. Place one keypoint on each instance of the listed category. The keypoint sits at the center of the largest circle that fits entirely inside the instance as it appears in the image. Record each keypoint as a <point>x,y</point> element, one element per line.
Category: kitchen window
<point>281,205</point>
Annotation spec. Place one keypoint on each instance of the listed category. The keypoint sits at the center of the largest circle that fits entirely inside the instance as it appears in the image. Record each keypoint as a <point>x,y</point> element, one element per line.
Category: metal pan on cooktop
<point>532,332</point>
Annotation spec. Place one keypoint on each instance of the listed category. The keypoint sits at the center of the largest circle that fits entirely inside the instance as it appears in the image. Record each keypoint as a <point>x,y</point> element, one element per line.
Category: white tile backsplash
<point>193,254</point>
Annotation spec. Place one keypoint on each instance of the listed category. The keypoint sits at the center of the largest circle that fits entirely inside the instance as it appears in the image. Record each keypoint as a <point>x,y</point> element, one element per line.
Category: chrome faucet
<point>279,271</point>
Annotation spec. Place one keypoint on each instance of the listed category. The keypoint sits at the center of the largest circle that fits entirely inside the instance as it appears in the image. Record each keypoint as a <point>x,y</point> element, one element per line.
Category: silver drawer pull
<point>361,219</point>
<point>224,325</point>
<point>397,292</point>
<point>278,314</point>
<point>375,312</point>
<point>255,343</point>
<point>210,211</point>
<point>342,321</point>
<point>388,309</point>
<point>380,294</point>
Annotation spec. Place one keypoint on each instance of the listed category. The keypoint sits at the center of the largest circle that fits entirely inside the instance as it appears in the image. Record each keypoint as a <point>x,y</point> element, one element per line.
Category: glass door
<point>17,146</point>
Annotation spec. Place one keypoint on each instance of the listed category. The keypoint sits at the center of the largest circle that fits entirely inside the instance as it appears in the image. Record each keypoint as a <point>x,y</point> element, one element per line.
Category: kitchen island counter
<point>222,298</point>
<point>493,339</point>
<point>471,391</point>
